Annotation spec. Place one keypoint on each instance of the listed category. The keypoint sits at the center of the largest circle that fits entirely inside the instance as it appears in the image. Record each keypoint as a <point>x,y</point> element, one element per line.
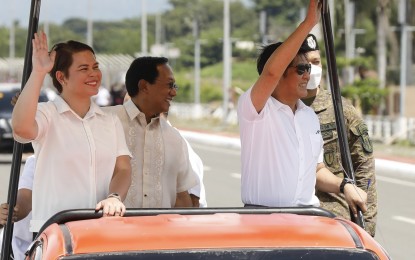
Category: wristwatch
<point>344,182</point>
<point>115,195</point>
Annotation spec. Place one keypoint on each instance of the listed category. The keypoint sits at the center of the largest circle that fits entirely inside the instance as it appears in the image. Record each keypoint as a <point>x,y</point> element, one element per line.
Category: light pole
<point>381,50</point>
<point>197,60</point>
<point>404,39</point>
<point>349,38</point>
<point>227,62</point>
<point>158,29</point>
<point>12,52</point>
<point>89,32</point>
<point>143,28</point>
<point>12,48</point>
<point>263,26</point>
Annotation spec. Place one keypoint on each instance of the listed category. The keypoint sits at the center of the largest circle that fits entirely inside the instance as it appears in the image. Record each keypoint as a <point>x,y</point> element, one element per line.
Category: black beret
<point>309,44</point>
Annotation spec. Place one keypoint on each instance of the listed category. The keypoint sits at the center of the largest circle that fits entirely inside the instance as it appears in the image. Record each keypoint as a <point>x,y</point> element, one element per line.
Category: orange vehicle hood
<point>221,230</point>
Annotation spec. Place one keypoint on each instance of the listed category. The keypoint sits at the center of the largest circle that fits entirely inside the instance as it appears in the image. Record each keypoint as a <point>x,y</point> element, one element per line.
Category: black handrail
<point>337,103</point>
<point>83,214</point>
<point>18,147</point>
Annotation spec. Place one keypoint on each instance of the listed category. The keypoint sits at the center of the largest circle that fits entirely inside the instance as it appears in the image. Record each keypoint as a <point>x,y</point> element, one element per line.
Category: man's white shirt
<point>280,151</point>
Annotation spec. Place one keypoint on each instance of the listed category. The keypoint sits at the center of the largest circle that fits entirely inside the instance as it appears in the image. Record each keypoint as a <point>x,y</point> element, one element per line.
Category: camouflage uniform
<point>361,151</point>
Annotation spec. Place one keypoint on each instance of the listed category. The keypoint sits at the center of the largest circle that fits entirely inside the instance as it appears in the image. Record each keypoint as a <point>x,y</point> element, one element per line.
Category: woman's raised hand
<point>42,60</point>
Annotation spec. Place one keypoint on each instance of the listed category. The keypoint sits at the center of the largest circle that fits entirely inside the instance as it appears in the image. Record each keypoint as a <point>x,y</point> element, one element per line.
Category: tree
<point>365,94</point>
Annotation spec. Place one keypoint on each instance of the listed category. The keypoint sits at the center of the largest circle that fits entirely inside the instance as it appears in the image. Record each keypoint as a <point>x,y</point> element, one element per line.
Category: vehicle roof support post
<point>18,147</point>
<point>337,102</point>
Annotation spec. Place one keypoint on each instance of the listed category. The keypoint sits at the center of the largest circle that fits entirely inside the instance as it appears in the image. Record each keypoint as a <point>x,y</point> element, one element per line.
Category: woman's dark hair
<point>64,59</point>
<point>142,68</point>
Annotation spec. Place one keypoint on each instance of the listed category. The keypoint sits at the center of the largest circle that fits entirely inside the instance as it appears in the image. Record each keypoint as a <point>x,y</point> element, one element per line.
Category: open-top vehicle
<point>212,233</point>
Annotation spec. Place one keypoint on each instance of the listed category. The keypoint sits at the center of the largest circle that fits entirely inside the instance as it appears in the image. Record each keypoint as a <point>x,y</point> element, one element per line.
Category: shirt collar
<point>301,105</point>
<point>279,105</point>
<point>133,111</point>
<point>63,107</point>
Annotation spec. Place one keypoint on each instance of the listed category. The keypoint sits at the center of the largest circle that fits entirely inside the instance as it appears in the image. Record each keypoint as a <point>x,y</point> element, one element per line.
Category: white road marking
<point>395,181</point>
<point>236,175</point>
<point>404,219</point>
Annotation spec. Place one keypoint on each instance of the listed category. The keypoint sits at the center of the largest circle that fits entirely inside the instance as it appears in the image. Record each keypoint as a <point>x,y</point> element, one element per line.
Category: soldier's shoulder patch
<point>329,157</point>
<point>362,128</point>
<point>328,126</point>
<point>362,131</point>
<point>327,130</point>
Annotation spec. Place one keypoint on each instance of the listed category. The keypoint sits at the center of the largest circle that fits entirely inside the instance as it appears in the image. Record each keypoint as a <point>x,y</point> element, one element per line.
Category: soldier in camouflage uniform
<point>360,145</point>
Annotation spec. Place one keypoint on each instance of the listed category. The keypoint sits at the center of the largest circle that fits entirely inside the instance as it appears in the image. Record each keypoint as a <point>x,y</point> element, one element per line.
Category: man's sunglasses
<point>303,67</point>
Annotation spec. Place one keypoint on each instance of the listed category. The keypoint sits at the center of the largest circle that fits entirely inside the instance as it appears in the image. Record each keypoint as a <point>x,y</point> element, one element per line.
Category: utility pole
<point>12,52</point>
<point>332,11</point>
<point>89,32</point>
<point>143,28</point>
<point>12,43</point>
<point>263,26</point>
<point>404,39</point>
<point>158,29</point>
<point>349,37</point>
<point>381,49</point>
<point>227,53</point>
<point>196,36</point>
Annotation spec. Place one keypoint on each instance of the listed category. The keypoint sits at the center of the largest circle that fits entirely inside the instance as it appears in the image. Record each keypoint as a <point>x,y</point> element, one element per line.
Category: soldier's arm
<point>361,150</point>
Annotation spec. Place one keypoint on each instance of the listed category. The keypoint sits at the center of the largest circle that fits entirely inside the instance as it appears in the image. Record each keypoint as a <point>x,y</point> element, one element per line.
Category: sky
<point>58,11</point>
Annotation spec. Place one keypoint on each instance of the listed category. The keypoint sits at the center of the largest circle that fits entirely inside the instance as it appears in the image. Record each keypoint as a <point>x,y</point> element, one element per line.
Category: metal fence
<point>388,130</point>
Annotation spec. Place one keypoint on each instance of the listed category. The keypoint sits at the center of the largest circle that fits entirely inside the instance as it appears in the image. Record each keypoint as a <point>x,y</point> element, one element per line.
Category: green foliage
<point>210,93</point>
<point>244,73</point>
<point>20,41</point>
<point>76,25</point>
<point>366,93</point>
<point>209,17</point>
<point>366,62</point>
<point>130,43</point>
<point>61,34</point>
<point>243,76</point>
<point>177,32</point>
<point>185,93</point>
<point>4,50</point>
<point>283,10</point>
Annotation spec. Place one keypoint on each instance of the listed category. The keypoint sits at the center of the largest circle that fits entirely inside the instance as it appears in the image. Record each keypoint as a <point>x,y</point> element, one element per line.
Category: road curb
<point>396,169</point>
<point>211,139</point>
<point>399,169</point>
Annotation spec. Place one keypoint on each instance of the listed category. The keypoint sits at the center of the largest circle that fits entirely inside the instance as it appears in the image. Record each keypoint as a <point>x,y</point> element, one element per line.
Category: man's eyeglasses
<point>171,85</point>
<point>303,67</point>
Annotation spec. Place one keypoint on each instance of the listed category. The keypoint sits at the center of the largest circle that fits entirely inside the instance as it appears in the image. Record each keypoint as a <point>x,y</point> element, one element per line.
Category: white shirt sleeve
<point>26,178</point>
<point>197,166</point>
